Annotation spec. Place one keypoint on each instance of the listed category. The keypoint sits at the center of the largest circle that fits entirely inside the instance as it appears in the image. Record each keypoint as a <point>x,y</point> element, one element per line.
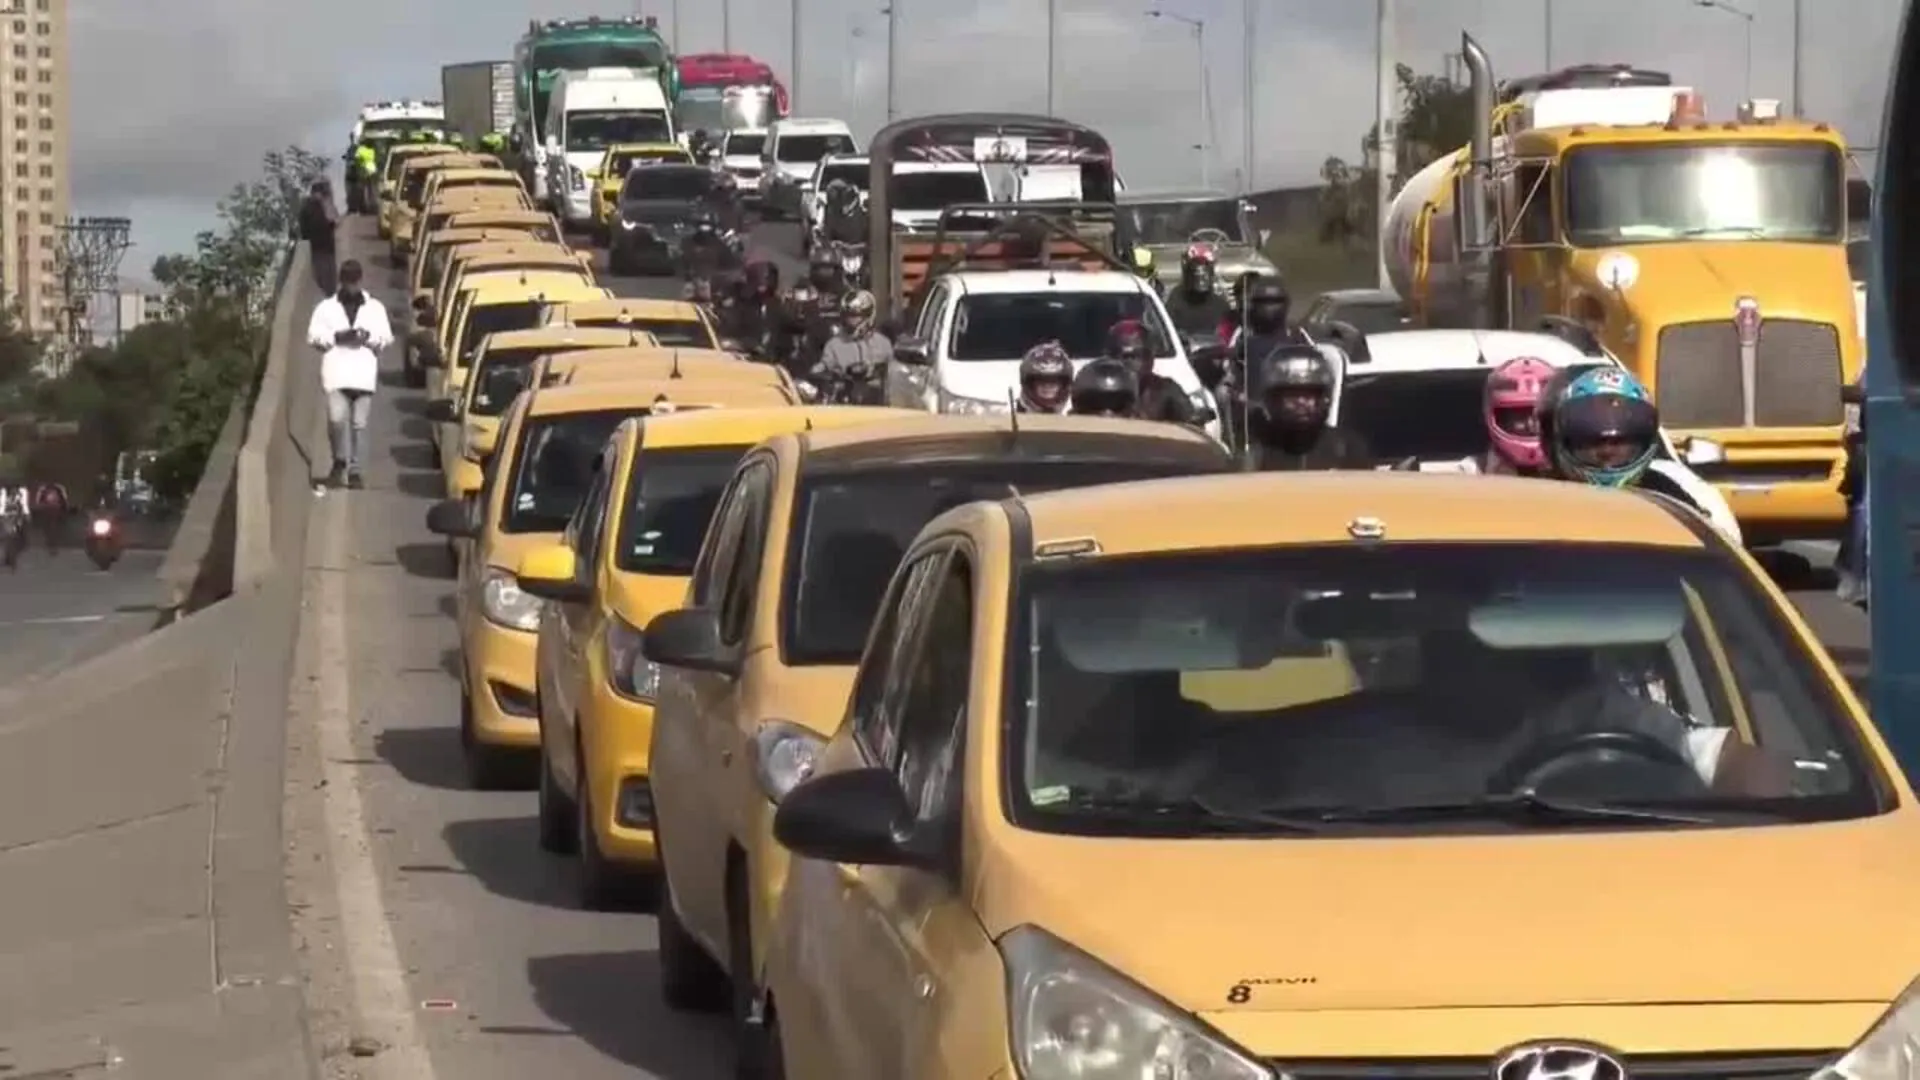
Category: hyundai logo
<point>1558,1061</point>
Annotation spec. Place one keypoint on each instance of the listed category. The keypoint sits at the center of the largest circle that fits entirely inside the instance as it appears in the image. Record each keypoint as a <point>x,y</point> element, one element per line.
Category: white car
<point>1419,394</point>
<point>976,325</point>
<point>787,162</point>
<point>740,155</point>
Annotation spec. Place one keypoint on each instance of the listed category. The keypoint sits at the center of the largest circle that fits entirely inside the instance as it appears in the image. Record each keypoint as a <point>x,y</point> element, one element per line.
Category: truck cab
<point>588,113</point>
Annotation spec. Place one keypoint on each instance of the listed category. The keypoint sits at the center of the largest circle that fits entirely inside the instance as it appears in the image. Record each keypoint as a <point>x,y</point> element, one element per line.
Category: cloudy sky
<point>174,103</point>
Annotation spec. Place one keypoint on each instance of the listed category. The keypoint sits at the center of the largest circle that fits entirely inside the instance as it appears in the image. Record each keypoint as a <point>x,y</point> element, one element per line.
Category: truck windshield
<point>1003,326</point>
<point>1176,221</point>
<point>797,148</point>
<point>700,110</point>
<point>1721,191</point>
<point>594,129</point>
<point>582,55</point>
<point>938,190</point>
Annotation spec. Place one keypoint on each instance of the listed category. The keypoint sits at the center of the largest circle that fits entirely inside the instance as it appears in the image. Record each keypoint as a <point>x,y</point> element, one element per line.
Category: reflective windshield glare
<point>1188,695</point>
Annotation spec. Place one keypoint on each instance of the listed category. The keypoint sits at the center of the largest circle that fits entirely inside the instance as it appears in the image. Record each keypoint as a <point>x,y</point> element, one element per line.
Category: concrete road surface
<point>57,610</point>
<point>462,928</point>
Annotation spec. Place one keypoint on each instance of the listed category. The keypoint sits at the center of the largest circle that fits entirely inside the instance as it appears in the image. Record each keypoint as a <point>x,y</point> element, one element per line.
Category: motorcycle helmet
<point>823,269</point>
<point>1197,273</point>
<point>1606,430</point>
<point>761,277</point>
<point>1046,378</point>
<point>856,312</point>
<point>1294,386</point>
<point>1105,387</point>
<point>1127,342</point>
<point>1511,407</point>
<point>1267,303</point>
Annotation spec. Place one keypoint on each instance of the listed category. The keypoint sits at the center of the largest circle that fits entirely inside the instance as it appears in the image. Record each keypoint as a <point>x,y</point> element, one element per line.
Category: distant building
<point>35,179</point>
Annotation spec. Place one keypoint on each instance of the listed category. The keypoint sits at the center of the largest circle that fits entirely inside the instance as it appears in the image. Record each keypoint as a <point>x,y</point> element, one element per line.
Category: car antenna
<point>806,423</point>
<point>675,373</point>
<point>1013,415</point>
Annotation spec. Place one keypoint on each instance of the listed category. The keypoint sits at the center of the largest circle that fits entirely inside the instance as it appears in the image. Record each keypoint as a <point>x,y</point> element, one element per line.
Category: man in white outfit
<point>349,328</point>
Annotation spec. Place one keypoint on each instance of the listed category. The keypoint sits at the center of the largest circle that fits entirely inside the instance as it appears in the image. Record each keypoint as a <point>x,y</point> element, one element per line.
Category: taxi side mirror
<point>552,573</point>
<point>443,411</point>
<point>455,519</point>
<point>859,817</point>
<point>688,638</point>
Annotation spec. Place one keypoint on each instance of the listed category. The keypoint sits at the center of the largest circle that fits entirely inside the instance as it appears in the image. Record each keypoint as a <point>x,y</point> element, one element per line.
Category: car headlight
<point>784,755</point>
<point>577,178</point>
<point>1890,1050</point>
<point>631,674</point>
<point>956,405</point>
<point>1074,1018</point>
<point>505,605</point>
<point>629,225</point>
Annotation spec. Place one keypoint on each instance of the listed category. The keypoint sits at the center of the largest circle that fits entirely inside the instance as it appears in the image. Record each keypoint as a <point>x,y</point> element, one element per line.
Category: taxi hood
<point>1700,281</point>
<point>1538,919</point>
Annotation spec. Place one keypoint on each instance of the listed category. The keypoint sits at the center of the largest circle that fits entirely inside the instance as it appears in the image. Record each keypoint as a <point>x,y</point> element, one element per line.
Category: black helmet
<point>1289,373</point>
<point>1106,387</point>
<point>761,277</point>
<point>1127,340</point>
<point>1267,301</point>
<point>1197,269</point>
<point>823,270</point>
<point>1046,377</point>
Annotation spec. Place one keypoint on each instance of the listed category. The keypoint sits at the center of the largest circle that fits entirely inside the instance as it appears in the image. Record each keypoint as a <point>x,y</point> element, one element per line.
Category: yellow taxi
<point>595,690</point>
<point>755,668</point>
<point>611,174</point>
<point>673,322</point>
<point>538,223</point>
<point>464,184</point>
<point>424,274</point>
<point>600,365</point>
<point>550,446</point>
<point>1081,818</point>
<point>438,209</point>
<point>466,263</point>
<point>502,368</point>
<point>397,158</point>
<point>491,307</point>
<point>399,213</point>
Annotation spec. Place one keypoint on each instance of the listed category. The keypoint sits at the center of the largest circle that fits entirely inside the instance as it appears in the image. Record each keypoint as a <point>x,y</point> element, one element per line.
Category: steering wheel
<point>1209,236</point>
<point>1559,757</point>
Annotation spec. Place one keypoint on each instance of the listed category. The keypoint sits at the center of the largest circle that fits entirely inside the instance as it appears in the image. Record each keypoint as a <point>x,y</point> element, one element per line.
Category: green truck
<point>553,46</point>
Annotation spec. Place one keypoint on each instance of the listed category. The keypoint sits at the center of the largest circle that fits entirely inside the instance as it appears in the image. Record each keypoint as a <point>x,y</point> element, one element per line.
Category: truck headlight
<point>956,405</point>
<point>631,674</point>
<point>1074,1018</point>
<point>1890,1050</point>
<point>505,605</point>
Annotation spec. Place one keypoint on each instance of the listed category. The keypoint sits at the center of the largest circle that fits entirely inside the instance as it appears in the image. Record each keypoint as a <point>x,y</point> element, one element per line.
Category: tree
<point>1435,118</point>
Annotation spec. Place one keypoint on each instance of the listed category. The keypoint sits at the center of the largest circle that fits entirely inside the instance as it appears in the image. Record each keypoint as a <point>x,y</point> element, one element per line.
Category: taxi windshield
<point>554,467</point>
<point>502,374</point>
<point>1418,686</point>
<point>672,494</point>
<point>851,528</point>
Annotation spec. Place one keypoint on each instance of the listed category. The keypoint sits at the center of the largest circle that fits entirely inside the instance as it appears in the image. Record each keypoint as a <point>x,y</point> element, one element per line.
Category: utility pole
<point>892,12</point>
<point>793,64</point>
<point>1250,78</point>
<point>1547,35</point>
<point>1799,90</point>
<point>1053,55</point>
<point>726,26</point>
<point>1385,116</point>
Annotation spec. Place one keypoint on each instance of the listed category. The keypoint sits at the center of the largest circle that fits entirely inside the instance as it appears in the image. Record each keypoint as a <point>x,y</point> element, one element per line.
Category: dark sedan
<point>657,207</point>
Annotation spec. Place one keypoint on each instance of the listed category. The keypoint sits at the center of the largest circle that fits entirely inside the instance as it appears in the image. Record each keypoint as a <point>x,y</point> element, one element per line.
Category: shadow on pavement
<point>611,1001</point>
<point>504,855</point>
<point>431,560</point>
<point>429,757</point>
<point>421,485</point>
<point>413,427</point>
<point>418,456</point>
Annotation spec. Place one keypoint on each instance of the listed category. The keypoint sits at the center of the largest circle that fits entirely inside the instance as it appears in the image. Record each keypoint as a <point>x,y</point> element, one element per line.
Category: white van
<point>588,112</point>
<point>793,148</point>
<point>921,190</point>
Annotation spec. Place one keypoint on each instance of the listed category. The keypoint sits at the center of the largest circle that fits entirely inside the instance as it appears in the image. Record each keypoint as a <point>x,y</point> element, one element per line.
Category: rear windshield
<point>1429,415</point>
<point>798,148</point>
<point>668,182</point>
<point>850,530</point>
<point>739,145</point>
<point>484,319</point>
<point>552,467</point>
<point>937,190</point>
<point>855,174</point>
<point>502,374</point>
<point>671,498</point>
<point>1003,326</point>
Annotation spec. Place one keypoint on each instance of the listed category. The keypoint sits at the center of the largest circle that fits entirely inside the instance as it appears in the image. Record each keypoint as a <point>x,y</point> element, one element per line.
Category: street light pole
<point>1202,117</point>
<point>1799,91</point>
<point>793,62</point>
<point>1249,76</point>
<point>1547,35</point>
<point>891,11</point>
<point>1747,16</point>
<point>1053,52</point>
<point>1385,117</point>
<point>726,26</point>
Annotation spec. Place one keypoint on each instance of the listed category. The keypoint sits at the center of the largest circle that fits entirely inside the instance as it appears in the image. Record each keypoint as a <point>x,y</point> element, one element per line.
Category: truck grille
<point>1787,1065</point>
<point>1796,367</point>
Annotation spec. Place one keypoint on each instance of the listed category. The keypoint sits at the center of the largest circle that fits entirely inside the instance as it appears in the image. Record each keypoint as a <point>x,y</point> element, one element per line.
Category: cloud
<point>176,103</point>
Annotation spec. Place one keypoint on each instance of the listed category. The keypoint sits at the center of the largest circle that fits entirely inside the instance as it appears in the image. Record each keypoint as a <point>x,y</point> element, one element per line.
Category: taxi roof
<point>929,438</point>
<point>601,365</point>
<point>478,172</point>
<point>481,234</point>
<point>469,199</point>
<point>639,307</point>
<point>1209,512</point>
<point>730,427</point>
<point>532,255</point>
<point>571,338</point>
<point>435,162</point>
<point>498,215</point>
<point>407,150</point>
<point>532,286</point>
<point>638,393</point>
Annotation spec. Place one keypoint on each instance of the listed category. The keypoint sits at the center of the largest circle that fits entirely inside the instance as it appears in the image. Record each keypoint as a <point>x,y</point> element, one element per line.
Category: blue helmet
<point>1605,428</point>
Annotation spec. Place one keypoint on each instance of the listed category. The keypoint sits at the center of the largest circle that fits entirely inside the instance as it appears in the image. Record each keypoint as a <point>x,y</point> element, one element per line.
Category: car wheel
<point>602,885</point>
<point>689,979</point>
<point>557,830</point>
<point>489,768</point>
<point>751,1046</point>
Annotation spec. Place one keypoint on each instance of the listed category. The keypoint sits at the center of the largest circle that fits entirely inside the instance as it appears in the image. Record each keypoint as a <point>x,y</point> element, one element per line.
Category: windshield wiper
<point>1189,811</point>
<point>1521,807</point>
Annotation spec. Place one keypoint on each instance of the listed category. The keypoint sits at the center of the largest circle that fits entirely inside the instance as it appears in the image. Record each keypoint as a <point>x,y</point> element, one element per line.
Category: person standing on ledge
<point>349,328</point>
<point>319,219</point>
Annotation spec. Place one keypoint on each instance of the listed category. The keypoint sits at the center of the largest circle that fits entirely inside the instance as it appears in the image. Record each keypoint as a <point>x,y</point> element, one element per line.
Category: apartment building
<point>35,180</point>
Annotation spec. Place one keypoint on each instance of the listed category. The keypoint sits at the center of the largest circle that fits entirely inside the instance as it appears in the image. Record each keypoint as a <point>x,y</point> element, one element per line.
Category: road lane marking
<point>55,620</point>
<point>379,981</point>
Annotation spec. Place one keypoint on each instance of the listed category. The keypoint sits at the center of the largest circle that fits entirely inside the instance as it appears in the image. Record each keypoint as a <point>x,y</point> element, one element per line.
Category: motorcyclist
<point>750,312</point>
<point>1046,379</point>
<point>1195,305</point>
<point>1105,387</point>
<point>1511,410</point>
<point>50,508</point>
<point>842,219</point>
<point>698,144</point>
<point>1160,398</point>
<point>1145,267</point>
<point>856,357</point>
<point>810,312</point>
<point>703,253</point>
<point>1292,387</point>
<point>723,198</point>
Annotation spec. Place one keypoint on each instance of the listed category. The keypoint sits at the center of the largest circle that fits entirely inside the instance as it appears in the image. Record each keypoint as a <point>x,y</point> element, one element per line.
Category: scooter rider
<point>1293,397</point>
<point>704,253</point>
<point>1511,409</point>
<point>1159,398</point>
<point>1046,379</point>
<point>811,311</point>
<point>856,357</point>
<point>750,313</point>
<point>1145,267</point>
<point>1195,305</point>
<point>1105,387</point>
<point>842,219</point>
<point>1599,426</point>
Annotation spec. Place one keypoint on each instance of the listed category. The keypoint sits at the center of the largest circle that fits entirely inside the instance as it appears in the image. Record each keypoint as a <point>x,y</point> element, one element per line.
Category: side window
<point>588,537</point>
<point>874,703</point>
<point>939,668</point>
<point>1532,209</point>
<point>711,567</point>
<point>931,315</point>
<point>743,578</point>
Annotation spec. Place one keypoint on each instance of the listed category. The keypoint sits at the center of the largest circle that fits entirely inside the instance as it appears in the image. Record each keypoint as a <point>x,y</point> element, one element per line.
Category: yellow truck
<point>1709,256</point>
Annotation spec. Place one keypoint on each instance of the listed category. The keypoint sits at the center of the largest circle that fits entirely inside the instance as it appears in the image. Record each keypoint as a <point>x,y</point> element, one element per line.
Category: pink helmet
<point>1513,395</point>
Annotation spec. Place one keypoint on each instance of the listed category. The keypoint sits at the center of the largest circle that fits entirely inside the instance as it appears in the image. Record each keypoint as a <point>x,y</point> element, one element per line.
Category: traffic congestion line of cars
<point>980,745</point>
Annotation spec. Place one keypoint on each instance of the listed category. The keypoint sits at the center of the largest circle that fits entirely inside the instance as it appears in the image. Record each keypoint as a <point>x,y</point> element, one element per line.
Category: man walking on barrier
<point>349,328</point>
<point>319,219</point>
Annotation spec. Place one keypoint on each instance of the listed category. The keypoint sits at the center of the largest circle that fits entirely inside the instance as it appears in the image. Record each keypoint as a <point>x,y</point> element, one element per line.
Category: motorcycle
<point>104,543</point>
<point>854,386</point>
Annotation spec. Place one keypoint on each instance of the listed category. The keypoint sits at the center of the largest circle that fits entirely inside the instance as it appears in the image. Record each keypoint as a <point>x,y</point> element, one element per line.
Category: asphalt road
<point>511,980</point>
<point>57,610</point>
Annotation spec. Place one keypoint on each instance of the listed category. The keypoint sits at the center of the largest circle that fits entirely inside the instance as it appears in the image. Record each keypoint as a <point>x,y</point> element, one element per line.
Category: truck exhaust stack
<point>1480,219</point>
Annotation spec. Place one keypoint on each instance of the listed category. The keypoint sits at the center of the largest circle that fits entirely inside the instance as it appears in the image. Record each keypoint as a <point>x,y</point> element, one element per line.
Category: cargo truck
<point>478,97</point>
<point>551,48</point>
